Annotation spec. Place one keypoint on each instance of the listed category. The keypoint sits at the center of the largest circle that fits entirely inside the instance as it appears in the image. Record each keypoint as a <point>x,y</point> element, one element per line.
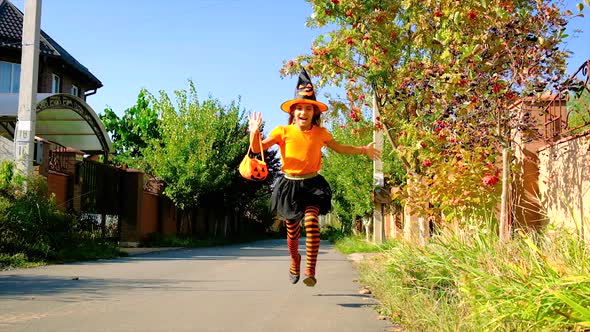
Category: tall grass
<point>352,244</point>
<point>476,283</point>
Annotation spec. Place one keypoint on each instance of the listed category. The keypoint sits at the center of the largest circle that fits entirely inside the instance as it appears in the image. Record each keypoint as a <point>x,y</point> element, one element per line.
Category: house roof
<point>61,118</point>
<point>11,28</point>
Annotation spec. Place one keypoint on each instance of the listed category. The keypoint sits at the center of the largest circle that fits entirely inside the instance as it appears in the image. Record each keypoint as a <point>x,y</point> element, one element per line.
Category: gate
<point>101,195</point>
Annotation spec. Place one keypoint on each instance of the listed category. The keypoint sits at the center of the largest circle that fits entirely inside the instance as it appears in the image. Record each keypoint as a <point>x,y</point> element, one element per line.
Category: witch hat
<point>304,93</point>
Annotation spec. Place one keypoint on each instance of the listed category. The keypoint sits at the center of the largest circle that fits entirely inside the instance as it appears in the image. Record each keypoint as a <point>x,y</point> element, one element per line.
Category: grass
<point>17,261</point>
<point>476,283</point>
<point>352,244</point>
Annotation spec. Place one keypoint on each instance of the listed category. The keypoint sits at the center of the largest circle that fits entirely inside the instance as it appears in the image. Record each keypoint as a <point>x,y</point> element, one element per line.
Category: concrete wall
<point>564,183</point>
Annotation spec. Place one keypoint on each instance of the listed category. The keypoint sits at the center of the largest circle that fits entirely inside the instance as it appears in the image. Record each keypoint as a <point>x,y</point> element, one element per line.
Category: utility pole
<point>378,179</point>
<point>24,136</point>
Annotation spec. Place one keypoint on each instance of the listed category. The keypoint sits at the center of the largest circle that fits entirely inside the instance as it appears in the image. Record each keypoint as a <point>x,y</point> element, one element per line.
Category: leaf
<point>446,55</point>
<point>580,6</point>
<point>457,18</point>
<point>585,312</point>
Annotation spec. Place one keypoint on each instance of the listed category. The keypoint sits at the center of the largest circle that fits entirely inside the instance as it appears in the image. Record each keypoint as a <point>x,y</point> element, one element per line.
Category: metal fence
<point>568,112</point>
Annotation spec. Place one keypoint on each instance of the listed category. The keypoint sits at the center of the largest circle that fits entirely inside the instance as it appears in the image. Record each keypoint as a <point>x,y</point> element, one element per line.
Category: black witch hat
<point>304,93</point>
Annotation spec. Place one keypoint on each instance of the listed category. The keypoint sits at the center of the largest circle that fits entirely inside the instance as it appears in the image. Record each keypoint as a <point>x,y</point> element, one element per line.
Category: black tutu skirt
<point>290,198</point>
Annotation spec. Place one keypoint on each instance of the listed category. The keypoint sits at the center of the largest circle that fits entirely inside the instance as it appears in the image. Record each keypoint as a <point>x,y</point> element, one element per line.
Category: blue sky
<point>229,49</point>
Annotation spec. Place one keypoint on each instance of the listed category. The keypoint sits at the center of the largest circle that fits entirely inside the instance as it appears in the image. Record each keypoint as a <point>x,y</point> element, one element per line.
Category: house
<point>63,116</point>
<point>70,138</point>
<point>67,129</point>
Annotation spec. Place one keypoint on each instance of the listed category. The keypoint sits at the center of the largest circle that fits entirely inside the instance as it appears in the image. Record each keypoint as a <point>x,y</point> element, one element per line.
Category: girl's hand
<point>255,120</point>
<point>371,152</point>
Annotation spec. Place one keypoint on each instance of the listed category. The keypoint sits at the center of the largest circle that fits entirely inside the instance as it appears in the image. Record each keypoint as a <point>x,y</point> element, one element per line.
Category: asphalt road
<point>231,288</point>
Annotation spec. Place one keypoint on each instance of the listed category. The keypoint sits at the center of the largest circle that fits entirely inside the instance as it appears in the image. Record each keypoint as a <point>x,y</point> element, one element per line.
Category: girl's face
<point>303,115</point>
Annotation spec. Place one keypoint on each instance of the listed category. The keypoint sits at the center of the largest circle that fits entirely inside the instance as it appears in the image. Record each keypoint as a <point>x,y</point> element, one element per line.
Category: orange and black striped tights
<point>312,230</point>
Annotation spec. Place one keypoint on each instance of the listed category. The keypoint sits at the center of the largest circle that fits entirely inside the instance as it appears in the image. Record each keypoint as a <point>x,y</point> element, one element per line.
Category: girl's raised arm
<point>254,122</point>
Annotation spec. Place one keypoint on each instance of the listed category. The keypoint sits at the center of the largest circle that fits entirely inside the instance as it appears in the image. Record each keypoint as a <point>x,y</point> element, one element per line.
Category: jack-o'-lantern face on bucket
<point>253,169</point>
<point>259,172</point>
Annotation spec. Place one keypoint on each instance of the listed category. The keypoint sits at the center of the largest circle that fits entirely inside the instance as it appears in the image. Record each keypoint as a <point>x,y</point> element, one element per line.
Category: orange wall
<point>564,183</point>
<point>148,222</point>
<point>58,185</point>
<point>168,214</point>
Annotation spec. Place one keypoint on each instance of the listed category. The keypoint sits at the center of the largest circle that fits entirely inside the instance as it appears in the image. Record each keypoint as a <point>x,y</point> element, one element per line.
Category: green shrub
<point>330,233</point>
<point>18,260</point>
<point>34,229</point>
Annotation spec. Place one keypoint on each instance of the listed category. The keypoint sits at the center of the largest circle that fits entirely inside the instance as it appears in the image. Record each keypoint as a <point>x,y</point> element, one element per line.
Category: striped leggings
<point>312,244</point>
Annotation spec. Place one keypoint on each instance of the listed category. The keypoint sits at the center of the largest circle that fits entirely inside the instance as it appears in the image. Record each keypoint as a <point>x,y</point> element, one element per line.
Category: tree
<point>443,73</point>
<point>351,177</point>
<point>200,146</point>
<point>131,132</point>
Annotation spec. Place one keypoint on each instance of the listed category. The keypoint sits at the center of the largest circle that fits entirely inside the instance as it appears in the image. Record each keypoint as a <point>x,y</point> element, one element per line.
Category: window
<point>9,77</point>
<point>56,84</point>
<point>75,90</point>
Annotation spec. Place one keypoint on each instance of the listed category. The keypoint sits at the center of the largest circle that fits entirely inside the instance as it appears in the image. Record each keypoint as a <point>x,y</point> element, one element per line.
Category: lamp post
<point>24,135</point>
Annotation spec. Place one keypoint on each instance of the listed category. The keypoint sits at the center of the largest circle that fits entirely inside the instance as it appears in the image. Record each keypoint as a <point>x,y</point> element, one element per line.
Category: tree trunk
<point>504,230</point>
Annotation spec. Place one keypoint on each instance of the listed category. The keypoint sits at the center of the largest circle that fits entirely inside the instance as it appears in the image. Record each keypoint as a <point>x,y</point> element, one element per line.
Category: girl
<point>302,194</point>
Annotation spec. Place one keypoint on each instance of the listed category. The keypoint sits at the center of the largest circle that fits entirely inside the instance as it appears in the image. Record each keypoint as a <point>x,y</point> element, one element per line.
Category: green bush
<point>330,233</point>
<point>34,229</point>
<point>32,223</point>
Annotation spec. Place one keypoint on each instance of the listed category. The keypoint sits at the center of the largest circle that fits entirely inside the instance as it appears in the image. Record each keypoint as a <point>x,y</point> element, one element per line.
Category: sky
<point>230,49</point>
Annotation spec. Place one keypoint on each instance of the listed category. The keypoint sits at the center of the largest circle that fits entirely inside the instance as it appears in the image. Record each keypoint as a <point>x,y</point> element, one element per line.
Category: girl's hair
<point>317,116</point>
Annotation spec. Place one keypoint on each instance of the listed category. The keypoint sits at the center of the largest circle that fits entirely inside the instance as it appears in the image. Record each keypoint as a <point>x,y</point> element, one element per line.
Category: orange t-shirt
<point>301,151</point>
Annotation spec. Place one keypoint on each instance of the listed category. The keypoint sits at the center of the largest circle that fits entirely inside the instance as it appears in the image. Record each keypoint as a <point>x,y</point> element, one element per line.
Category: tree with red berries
<point>444,74</point>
